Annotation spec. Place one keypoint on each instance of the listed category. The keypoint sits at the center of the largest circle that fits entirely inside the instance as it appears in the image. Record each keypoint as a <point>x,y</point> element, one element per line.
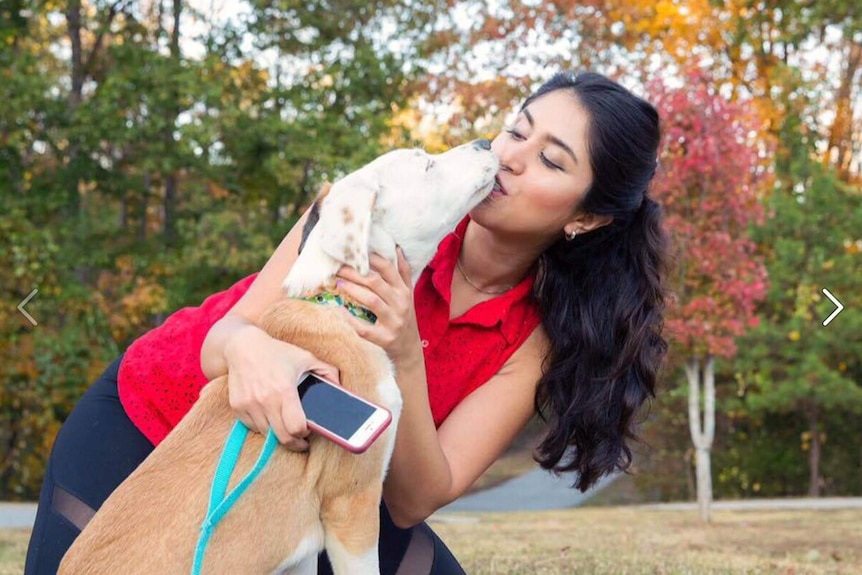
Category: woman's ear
<point>586,222</point>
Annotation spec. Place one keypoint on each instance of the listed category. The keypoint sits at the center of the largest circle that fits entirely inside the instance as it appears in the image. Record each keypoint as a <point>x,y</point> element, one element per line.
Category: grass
<point>635,541</point>
<point>13,549</point>
<point>628,541</point>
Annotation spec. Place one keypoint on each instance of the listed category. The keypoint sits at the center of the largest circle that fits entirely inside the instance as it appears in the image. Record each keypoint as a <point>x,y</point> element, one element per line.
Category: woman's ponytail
<point>602,296</point>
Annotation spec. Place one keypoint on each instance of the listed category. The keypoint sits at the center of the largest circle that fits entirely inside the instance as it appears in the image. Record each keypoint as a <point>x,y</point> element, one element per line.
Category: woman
<point>548,298</point>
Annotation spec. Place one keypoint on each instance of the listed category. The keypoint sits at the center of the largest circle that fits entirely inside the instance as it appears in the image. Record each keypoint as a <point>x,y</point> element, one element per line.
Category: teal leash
<point>219,504</point>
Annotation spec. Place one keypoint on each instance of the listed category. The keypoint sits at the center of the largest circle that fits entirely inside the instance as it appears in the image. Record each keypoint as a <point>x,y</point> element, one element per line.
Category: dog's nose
<point>482,144</point>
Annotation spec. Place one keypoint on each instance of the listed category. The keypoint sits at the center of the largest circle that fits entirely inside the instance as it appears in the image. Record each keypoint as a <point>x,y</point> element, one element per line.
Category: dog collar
<point>331,299</point>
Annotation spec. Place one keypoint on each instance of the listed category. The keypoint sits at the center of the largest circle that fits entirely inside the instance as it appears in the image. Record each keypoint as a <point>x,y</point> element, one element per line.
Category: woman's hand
<point>388,292</point>
<point>263,374</point>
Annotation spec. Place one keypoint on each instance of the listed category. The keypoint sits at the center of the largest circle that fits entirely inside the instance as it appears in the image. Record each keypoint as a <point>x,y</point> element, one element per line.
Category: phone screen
<point>329,407</point>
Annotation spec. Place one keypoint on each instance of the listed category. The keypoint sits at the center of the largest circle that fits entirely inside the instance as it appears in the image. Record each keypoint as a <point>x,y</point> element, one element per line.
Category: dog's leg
<point>307,566</point>
<point>345,562</point>
<point>352,526</point>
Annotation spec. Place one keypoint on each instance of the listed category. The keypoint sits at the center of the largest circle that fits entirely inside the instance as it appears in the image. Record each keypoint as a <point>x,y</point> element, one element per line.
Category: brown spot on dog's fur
<point>348,216</point>
<point>349,253</point>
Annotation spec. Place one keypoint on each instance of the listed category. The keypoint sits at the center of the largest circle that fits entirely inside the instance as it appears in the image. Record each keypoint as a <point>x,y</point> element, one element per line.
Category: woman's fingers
<point>243,408</point>
<point>386,269</point>
<point>404,268</point>
<point>263,394</point>
<point>296,425</point>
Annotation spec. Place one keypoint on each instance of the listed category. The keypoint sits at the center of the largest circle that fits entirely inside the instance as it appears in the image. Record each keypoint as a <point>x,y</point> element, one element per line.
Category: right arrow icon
<point>837,309</point>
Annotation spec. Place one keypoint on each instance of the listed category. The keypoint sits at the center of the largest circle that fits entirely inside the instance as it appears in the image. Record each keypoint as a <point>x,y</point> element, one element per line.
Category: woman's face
<point>544,170</point>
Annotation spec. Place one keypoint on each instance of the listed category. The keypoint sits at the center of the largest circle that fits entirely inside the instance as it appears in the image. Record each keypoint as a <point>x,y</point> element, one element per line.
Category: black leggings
<point>98,447</point>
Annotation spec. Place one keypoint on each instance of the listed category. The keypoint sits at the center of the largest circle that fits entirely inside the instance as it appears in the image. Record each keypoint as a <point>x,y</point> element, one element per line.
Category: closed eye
<point>515,134</point>
<point>429,165</point>
<point>548,162</point>
<point>518,136</point>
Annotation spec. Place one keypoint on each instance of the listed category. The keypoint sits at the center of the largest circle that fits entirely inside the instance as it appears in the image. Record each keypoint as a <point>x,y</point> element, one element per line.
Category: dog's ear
<point>313,215</point>
<point>345,220</point>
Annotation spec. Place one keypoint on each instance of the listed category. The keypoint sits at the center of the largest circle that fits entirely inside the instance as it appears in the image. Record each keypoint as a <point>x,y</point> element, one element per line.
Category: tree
<point>713,178</point>
<point>793,363</point>
<point>138,176</point>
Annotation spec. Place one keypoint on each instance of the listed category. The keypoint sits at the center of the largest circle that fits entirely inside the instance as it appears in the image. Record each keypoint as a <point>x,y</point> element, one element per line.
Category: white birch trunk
<point>702,429</point>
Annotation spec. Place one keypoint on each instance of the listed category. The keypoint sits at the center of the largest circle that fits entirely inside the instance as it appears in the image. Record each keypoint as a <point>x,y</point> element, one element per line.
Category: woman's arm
<point>432,467</point>
<point>240,322</point>
<point>263,370</point>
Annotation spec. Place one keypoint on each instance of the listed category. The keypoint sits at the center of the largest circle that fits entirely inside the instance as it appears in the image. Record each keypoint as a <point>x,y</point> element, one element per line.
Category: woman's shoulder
<point>531,354</point>
<point>538,344</point>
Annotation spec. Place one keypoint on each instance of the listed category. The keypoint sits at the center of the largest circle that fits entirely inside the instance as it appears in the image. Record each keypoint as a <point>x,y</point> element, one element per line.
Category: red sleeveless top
<point>160,376</point>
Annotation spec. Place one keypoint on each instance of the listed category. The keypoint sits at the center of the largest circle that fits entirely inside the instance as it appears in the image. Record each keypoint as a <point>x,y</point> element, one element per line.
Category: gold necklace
<point>477,288</point>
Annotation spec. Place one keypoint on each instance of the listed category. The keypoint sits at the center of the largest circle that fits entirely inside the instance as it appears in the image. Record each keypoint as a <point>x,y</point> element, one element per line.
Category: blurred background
<point>154,152</point>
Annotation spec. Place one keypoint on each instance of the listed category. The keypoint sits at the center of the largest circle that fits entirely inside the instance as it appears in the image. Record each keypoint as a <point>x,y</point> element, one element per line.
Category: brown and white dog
<point>326,497</point>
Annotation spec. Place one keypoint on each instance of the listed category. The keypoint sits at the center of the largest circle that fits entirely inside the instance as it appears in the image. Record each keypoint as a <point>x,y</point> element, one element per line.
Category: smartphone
<point>339,415</point>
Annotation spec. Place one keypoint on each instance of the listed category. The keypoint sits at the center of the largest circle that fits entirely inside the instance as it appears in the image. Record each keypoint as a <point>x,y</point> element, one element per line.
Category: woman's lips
<point>498,189</point>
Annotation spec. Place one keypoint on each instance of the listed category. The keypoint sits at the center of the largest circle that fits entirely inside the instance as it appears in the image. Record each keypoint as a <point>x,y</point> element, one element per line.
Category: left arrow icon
<point>24,302</point>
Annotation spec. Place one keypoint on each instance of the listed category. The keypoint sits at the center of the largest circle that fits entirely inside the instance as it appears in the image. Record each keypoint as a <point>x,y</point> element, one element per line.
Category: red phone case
<point>337,439</point>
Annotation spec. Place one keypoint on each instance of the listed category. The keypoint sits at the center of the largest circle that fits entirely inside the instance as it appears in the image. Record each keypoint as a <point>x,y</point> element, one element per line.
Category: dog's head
<point>407,198</point>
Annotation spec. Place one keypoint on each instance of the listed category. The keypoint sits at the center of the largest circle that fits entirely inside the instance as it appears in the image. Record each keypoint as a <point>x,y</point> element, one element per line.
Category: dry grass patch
<point>631,540</point>
<point>13,549</point>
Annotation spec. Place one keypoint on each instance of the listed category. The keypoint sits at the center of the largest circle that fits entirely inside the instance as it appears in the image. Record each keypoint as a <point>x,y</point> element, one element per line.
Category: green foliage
<point>812,243</point>
<point>218,249</point>
<point>172,174</point>
<point>795,378</point>
<point>137,178</point>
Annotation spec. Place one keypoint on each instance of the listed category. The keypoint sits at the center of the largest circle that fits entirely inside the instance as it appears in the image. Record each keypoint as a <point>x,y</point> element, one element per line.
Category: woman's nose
<point>507,153</point>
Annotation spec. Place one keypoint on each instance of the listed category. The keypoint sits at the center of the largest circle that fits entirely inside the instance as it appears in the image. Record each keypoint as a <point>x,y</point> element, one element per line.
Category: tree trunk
<point>840,147</point>
<point>170,232</point>
<point>73,27</point>
<point>145,203</point>
<point>690,472</point>
<point>814,452</point>
<point>702,430</point>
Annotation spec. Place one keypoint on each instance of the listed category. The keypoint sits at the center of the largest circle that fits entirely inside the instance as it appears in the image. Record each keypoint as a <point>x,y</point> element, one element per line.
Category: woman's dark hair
<point>602,295</point>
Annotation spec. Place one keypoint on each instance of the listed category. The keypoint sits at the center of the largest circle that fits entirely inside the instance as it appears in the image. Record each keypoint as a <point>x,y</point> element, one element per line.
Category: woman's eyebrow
<point>551,138</point>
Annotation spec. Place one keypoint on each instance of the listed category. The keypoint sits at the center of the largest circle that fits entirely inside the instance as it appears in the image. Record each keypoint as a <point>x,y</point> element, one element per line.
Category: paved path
<point>537,490</point>
<point>533,491</point>
<point>17,515</point>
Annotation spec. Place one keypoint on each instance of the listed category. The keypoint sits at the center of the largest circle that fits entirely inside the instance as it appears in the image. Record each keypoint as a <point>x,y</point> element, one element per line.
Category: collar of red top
<point>503,310</point>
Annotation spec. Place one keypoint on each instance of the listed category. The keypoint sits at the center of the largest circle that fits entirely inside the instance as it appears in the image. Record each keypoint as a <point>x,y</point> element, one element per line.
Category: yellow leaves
<point>805,439</point>
<point>409,127</point>
<point>852,247</point>
<point>129,300</point>
<point>794,335</point>
<point>85,188</point>
<point>678,25</point>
